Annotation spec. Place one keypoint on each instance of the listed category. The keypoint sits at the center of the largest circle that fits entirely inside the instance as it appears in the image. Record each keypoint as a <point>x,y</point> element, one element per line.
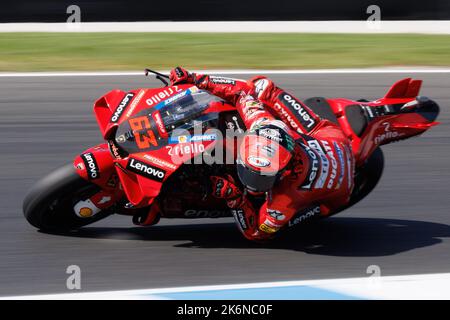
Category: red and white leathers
<point>320,177</point>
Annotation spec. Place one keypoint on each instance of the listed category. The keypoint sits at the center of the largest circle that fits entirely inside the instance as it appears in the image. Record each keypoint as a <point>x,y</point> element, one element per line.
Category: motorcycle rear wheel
<point>49,204</point>
<point>366,179</point>
<point>368,176</point>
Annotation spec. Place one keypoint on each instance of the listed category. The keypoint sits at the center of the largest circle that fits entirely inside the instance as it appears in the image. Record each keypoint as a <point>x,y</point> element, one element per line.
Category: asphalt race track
<point>403,226</point>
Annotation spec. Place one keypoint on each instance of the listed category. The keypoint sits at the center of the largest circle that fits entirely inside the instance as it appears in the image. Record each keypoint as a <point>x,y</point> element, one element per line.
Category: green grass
<point>134,51</point>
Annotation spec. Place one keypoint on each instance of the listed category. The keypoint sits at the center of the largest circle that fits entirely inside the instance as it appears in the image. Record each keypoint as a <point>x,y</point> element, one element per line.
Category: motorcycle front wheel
<point>49,204</point>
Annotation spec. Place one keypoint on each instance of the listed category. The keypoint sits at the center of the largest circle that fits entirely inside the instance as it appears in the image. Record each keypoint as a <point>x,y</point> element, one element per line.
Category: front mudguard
<point>96,165</point>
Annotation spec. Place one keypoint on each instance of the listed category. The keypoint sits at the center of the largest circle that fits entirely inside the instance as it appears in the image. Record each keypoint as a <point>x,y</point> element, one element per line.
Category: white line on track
<point>229,72</point>
<point>424,286</point>
<point>362,27</point>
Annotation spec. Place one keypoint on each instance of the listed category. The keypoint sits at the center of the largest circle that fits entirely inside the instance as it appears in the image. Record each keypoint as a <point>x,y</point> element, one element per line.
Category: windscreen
<point>142,131</point>
<point>181,111</point>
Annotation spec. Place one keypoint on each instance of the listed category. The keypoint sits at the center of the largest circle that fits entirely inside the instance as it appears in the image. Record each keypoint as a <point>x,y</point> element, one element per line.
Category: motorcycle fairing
<point>104,109</point>
<point>98,159</point>
<point>144,152</point>
<point>95,164</point>
<point>107,105</point>
<point>394,125</point>
<point>405,88</point>
<point>389,129</point>
<point>140,187</point>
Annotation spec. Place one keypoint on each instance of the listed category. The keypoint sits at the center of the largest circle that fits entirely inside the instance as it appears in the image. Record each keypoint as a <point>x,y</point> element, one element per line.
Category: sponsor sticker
<point>304,215</point>
<point>306,119</point>
<point>192,213</point>
<point>85,209</point>
<point>135,102</point>
<point>179,139</point>
<point>272,224</point>
<point>85,212</point>
<point>221,80</point>
<point>349,158</point>
<point>271,134</point>
<point>325,168</point>
<point>330,154</point>
<point>239,216</point>
<point>250,105</point>
<point>265,228</point>
<point>146,170</point>
<point>287,117</point>
<point>260,86</point>
<point>121,107</point>
<point>163,94</point>
<point>91,166</point>
<point>175,97</point>
<point>185,149</point>
<point>254,114</point>
<point>259,162</point>
<point>194,138</point>
<point>313,170</point>
<point>277,215</point>
<point>160,162</point>
<point>194,89</point>
<point>203,137</point>
<point>159,123</point>
<point>387,135</point>
<point>340,155</point>
<point>115,151</point>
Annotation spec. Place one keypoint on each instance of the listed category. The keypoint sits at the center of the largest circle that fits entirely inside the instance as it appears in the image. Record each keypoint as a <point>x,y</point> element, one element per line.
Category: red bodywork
<point>392,127</point>
<point>139,190</point>
<point>118,107</point>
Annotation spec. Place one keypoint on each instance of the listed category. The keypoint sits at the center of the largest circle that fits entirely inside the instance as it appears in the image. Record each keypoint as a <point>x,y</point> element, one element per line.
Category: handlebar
<point>160,76</point>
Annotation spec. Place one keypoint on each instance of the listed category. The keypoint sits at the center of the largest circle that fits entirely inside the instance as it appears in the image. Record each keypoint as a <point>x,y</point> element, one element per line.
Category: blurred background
<point>218,10</point>
<point>351,33</point>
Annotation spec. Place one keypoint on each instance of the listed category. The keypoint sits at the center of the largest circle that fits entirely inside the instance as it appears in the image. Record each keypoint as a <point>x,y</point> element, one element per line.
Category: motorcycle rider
<point>302,163</point>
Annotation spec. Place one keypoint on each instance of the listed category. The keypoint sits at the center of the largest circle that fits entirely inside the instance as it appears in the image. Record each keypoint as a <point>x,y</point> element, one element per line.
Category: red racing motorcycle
<point>162,144</point>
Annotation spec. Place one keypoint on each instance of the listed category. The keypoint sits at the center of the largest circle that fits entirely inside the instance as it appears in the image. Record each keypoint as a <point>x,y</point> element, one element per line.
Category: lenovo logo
<point>314,169</point>
<point>146,170</point>
<point>239,216</point>
<point>122,105</point>
<point>305,215</point>
<point>220,80</point>
<point>295,107</point>
<point>91,166</point>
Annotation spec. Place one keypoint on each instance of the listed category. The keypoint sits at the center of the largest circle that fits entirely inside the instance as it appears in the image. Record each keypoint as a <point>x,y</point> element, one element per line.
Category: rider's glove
<point>225,188</point>
<point>180,75</point>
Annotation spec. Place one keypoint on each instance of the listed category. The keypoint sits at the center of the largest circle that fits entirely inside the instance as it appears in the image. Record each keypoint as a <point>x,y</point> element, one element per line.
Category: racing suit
<point>321,175</point>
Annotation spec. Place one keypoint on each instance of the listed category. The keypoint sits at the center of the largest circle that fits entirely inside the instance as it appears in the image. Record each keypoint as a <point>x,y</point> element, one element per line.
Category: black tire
<point>366,179</point>
<point>48,205</point>
<point>368,176</point>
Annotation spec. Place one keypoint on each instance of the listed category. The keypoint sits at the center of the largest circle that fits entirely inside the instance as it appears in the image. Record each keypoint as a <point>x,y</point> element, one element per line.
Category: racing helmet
<point>263,155</point>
